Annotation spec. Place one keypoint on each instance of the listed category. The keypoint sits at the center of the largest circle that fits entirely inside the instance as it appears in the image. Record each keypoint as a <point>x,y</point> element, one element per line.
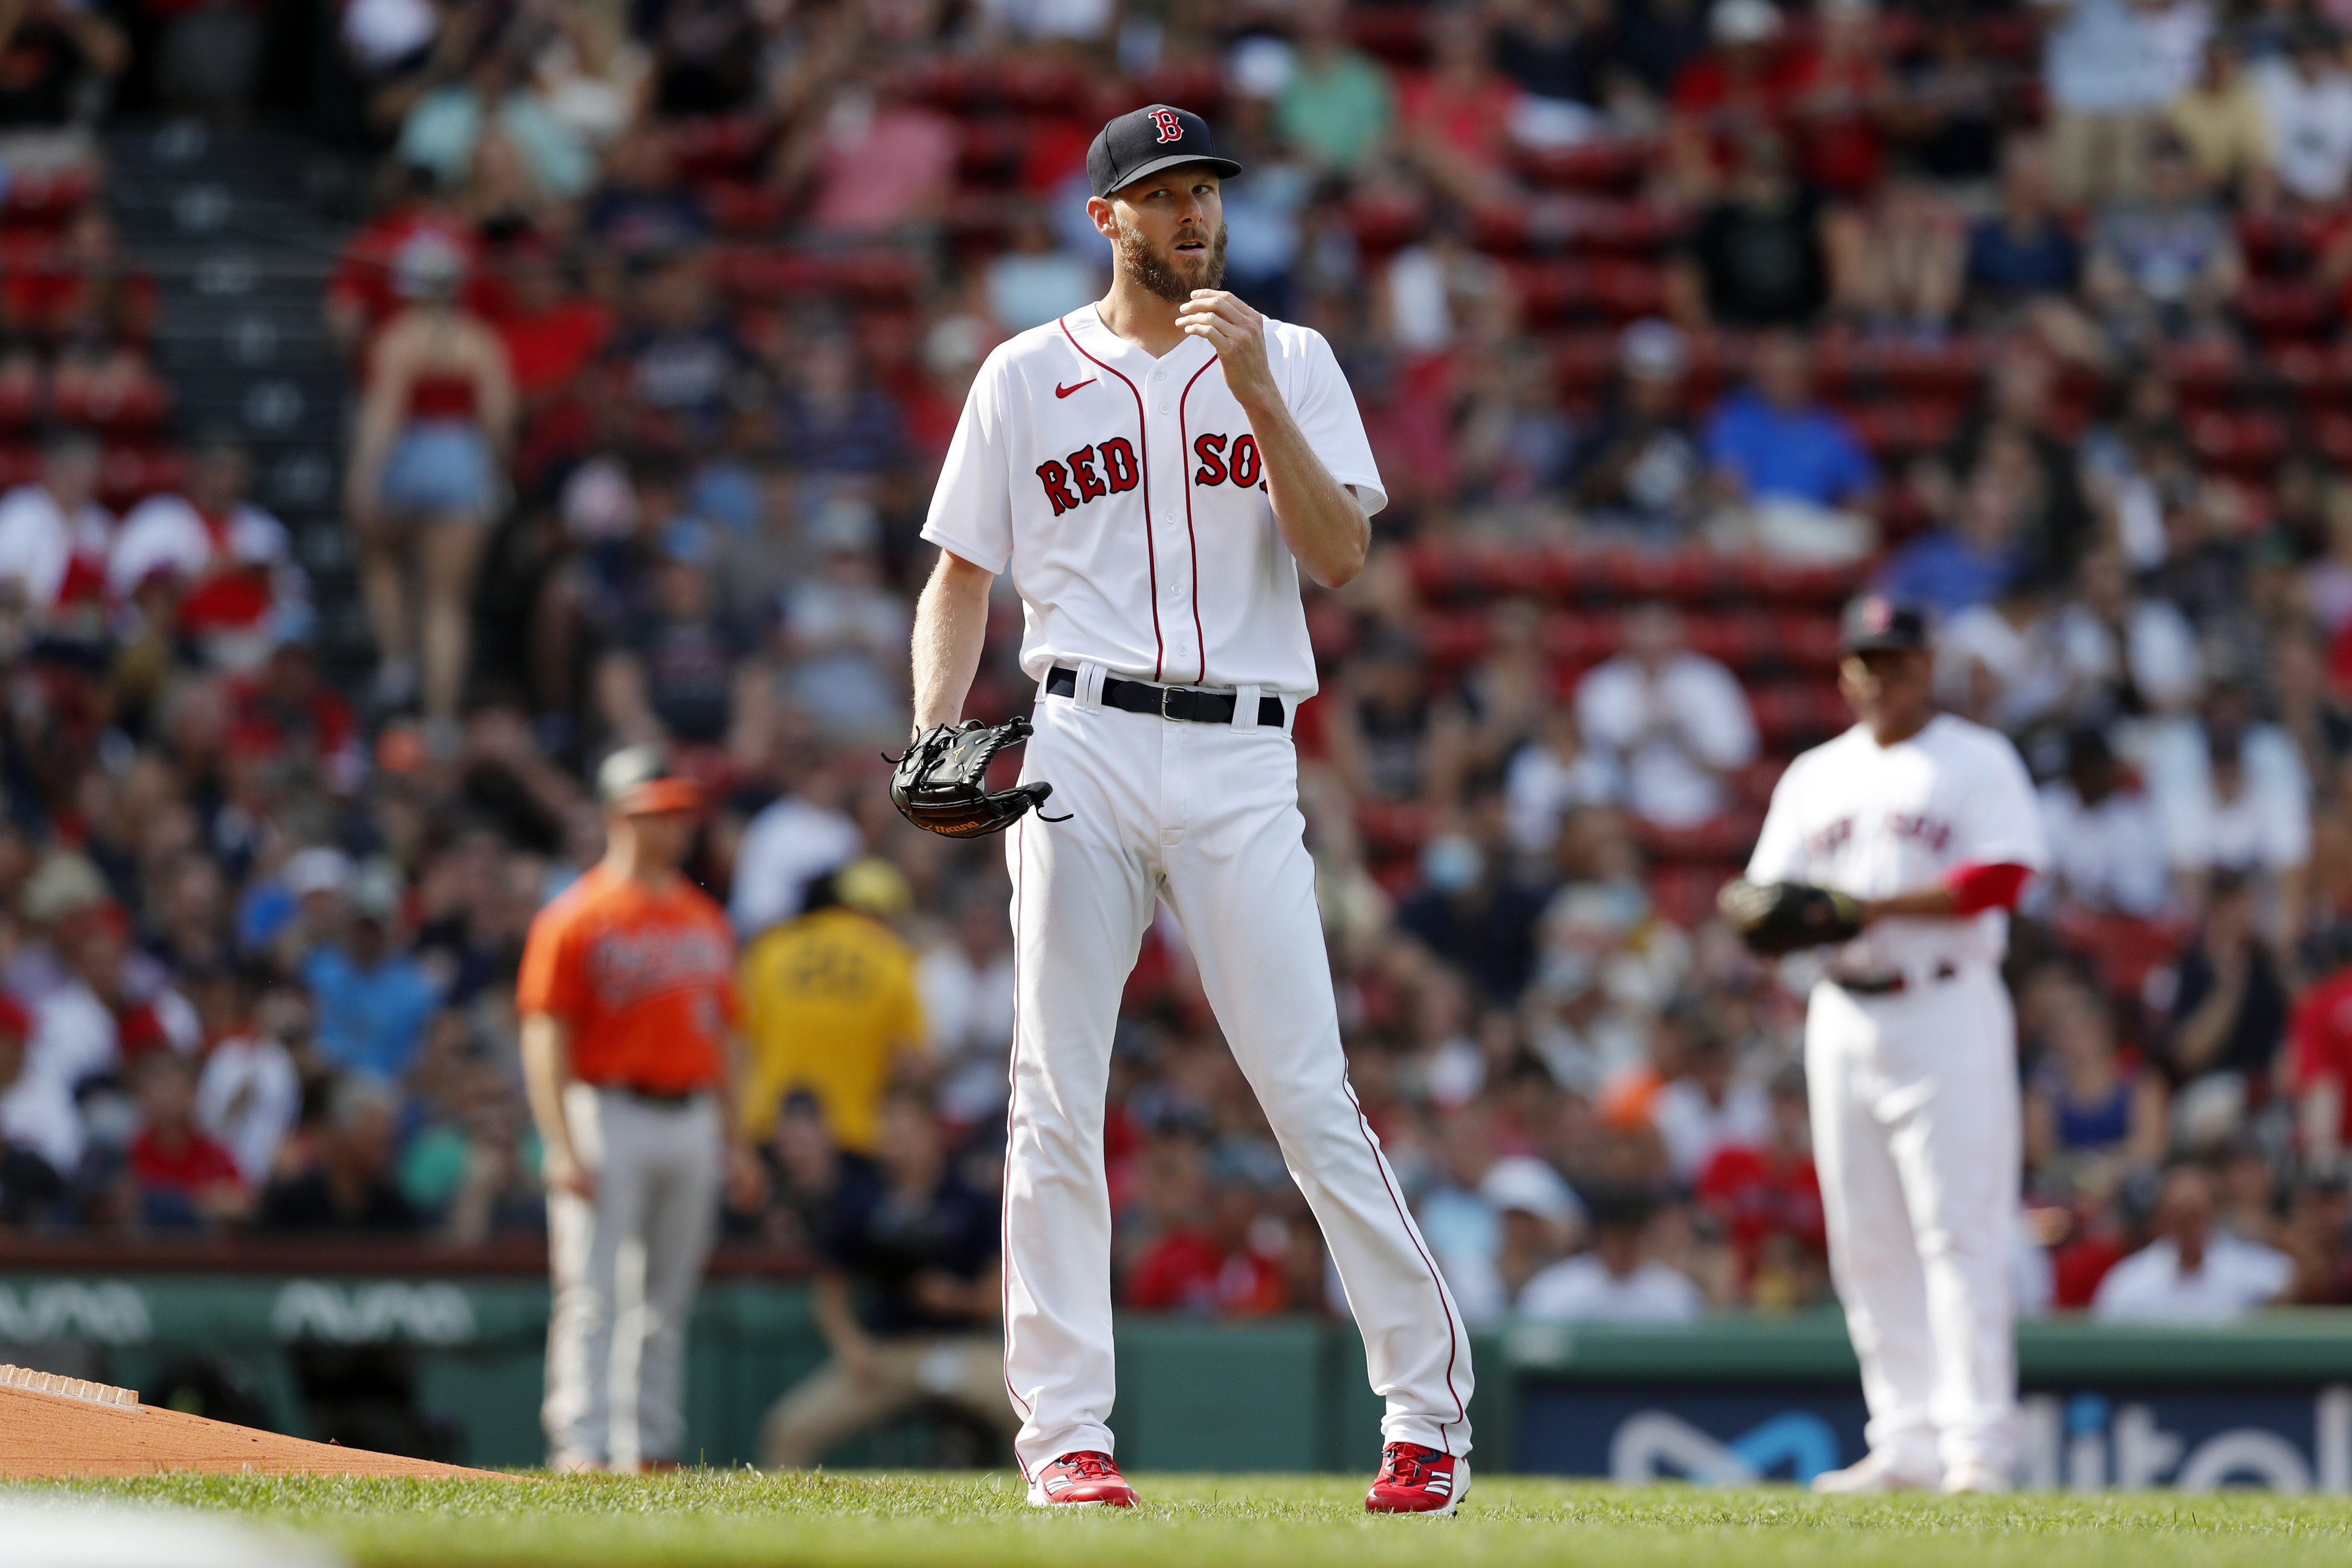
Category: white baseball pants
<point>1206,818</point>
<point>1916,1140</point>
<point>626,1267</point>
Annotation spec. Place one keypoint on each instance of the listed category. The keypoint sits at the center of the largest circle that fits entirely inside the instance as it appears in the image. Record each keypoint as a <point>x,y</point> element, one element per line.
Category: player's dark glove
<point>941,782</point>
<point>1777,918</point>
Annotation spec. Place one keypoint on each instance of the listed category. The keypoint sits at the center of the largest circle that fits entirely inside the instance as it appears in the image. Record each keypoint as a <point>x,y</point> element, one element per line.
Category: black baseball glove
<point>941,782</point>
<point>1777,918</point>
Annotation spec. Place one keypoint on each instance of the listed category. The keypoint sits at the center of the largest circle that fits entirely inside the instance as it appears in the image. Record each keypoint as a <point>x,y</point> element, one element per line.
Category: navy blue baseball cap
<point>1147,140</point>
<point>1874,621</point>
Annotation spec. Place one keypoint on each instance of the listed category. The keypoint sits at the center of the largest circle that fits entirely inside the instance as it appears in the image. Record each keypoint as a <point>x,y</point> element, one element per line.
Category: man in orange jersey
<point>627,1000</point>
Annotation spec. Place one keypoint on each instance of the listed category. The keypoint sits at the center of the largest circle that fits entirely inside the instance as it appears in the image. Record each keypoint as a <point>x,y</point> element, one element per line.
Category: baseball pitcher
<point>1154,471</point>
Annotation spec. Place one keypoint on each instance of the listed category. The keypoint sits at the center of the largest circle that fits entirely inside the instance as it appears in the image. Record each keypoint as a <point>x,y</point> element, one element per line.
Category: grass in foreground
<point>854,1520</point>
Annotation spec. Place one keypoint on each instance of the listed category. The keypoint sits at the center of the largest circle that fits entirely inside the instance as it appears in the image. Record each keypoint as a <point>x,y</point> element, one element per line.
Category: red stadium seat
<point>1728,838</point>
<point>1610,165</point>
<point>2286,309</point>
<point>2248,443</point>
<point>721,146</point>
<point>740,207</point>
<point>1452,640</point>
<point>128,475</point>
<point>1685,894</point>
<point>19,464</point>
<point>1798,715</point>
<point>2123,951</point>
<point>139,410</point>
<point>46,201</point>
<point>1397,34</point>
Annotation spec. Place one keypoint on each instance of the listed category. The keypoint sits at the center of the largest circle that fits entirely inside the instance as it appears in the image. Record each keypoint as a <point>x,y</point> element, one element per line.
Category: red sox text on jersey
<point>1108,467</point>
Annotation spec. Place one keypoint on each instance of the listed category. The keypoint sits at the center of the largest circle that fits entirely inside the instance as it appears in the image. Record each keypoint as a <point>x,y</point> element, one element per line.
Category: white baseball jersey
<point>1875,821</point>
<point>1127,496</point>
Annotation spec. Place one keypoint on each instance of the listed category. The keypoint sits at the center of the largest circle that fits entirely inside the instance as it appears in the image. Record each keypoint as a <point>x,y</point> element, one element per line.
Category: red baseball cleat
<point>1081,1477</point>
<point>1414,1479</point>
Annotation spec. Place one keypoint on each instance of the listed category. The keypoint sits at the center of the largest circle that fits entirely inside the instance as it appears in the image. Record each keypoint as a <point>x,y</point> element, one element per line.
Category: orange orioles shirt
<point>645,980</point>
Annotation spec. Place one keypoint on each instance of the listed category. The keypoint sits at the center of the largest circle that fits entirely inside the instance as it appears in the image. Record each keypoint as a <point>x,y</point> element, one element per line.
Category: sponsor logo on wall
<point>108,1311</point>
<point>2281,1440</point>
<point>430,1314</point>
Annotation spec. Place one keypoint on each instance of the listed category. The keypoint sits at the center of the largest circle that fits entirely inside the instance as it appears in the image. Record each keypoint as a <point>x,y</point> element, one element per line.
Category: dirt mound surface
<point>69,1428</point>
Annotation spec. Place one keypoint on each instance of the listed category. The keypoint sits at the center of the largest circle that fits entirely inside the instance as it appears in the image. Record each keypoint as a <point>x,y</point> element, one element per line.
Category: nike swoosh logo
<point>1060,391</point>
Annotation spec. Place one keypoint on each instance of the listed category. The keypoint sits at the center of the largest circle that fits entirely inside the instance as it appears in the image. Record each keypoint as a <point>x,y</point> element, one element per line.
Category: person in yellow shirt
<point>829,1006</point>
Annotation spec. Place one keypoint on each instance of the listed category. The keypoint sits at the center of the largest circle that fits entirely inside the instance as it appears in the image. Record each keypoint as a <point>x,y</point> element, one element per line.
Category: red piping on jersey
<point>1011,1100</point>
<point>1976,887</point>
<point>1142,436</point>
<point>1184,453</point>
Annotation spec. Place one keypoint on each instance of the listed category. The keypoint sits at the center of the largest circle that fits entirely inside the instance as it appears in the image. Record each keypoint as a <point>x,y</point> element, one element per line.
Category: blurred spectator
<point>1790,472</point>
<point>1226,1262</point>
<point>472,1172</point>
<point>2222,119</point>
<point>2229,1002</point>
<point>2190,1274</point>
<point>349,1189</point>
<point>846,630</point>
<point>1767,1198</point>
<point>1476,910</point>
<point>1640,471</point>
<point>1534,1218</point>
<point>2023,261</point>
<point>1454,118</point>
<point>1555,773</point>
<point>906,1297</point>
<point>425,477</point>
<point>2110,67</point>
<point>1756,257</point>
<point>803,833</point>
<point>2099,829</point>
<point>186,1180</point>
<point>2320,1070</point>
<point>1614,1282</point>
<point>2234,798</point>
<point>374,999</point>
<point>641,209</point>
<point>218,568</point>
<point>2306,105</point>
<point>62,55</point>
<point>1033,281</point>
<point>830,1007</point>
<point>680,676</point>
<point>250,1094</point>
<point>48,526</point>
<point>1673,721</point>
<point>1976,555</point>
<point>1338,107</point>
<point>872,162</point>
<point>1391,737</point>
<point>40,1130</point>
<point>2166,268</point>
<point>492,98</point>
<point>965,981</point>
<point>1705,1107</point>
<point>2091,1120</point>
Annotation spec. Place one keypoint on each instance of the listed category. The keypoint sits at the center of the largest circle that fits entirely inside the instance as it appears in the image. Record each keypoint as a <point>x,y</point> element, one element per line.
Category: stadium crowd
<point>1673,325</point>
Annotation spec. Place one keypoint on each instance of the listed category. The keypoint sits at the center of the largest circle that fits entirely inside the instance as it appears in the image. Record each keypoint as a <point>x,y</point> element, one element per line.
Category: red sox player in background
<point>1153,471</point>
<point>1930,823</point>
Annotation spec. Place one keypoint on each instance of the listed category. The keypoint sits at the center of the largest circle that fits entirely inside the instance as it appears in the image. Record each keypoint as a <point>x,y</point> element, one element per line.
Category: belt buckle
<point>1166,693</point>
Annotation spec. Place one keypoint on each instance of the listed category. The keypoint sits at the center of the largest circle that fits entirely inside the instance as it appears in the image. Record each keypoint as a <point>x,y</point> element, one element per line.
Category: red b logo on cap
<point>1171,128</point>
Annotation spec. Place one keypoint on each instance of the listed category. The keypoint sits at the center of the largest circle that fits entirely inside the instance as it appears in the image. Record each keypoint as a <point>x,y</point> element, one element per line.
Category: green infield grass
<point>864,1520</point>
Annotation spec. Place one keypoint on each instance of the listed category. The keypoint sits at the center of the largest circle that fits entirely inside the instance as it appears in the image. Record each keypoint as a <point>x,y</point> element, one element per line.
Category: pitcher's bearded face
<point>1191,258</point>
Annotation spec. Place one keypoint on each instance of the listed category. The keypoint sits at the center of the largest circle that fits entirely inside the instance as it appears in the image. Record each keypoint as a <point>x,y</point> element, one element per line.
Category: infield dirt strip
<point>95,1430</point>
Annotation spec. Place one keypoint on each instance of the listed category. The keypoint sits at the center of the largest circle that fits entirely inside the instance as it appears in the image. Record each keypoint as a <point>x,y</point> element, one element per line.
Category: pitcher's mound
<point>53,1425</point>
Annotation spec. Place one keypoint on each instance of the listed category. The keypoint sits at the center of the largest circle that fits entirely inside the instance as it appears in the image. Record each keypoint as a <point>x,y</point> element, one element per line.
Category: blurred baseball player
<point>627,1000</point>
<point>1907,841</point>
<point>1153,471</point>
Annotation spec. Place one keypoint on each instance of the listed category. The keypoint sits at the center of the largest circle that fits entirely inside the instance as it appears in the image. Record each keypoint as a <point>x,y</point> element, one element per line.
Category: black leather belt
<point>1167,702</point>
<point>1887,985</point>
<point>667,1098</point>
